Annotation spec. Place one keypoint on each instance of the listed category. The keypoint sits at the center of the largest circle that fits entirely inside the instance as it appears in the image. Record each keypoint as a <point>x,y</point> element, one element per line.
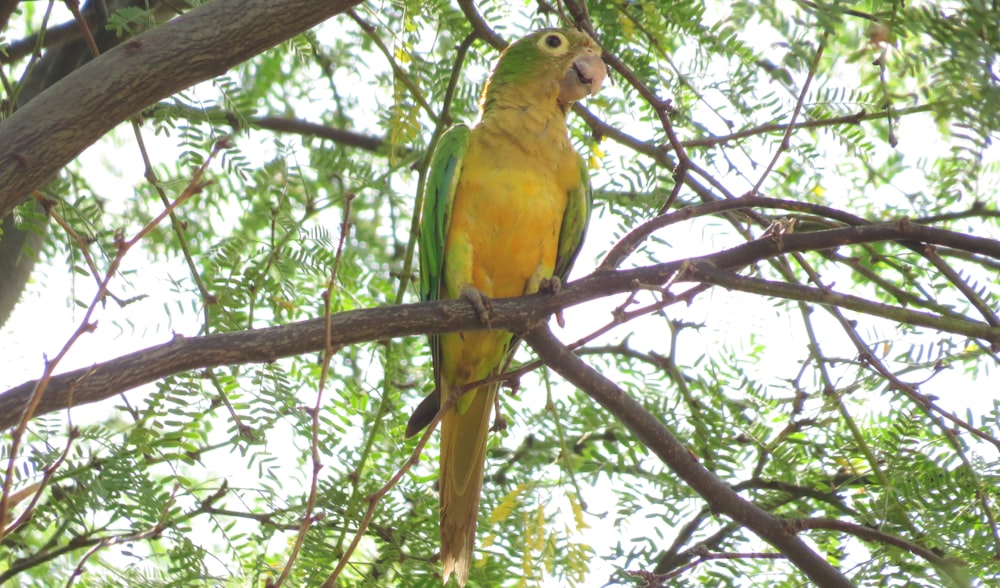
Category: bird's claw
<point>552,285</point>
<point>480,302</point>
<point>499,423</point>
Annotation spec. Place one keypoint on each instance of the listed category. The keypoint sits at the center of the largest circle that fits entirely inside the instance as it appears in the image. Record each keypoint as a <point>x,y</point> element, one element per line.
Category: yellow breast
<point>508,210</point>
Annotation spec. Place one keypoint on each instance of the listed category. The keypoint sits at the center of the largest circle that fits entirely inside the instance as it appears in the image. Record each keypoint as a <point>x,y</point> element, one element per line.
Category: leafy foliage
<point>814,413</point>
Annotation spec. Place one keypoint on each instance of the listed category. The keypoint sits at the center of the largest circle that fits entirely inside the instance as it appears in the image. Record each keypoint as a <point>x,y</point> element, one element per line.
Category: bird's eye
<point>553,44</point>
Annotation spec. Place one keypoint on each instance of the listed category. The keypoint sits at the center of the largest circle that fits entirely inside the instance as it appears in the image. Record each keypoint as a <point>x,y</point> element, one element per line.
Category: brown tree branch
<point>636,236</point>
<point>629,242</point>
<point>707,273</point>
<point>94,16</point>
<point>515,314</point>
<point>655,436</point>
<point>54,35</point>
<point>7,8</point>
<point>280,124</point>
<point>285,124</point>
<point>951,568</point>
<point>39,139</point>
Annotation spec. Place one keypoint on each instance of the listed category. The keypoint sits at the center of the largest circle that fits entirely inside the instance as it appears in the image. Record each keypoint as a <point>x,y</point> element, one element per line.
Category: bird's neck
<point>528,114</point>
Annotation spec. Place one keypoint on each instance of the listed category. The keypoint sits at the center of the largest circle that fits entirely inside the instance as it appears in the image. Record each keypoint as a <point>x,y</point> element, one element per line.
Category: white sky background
<point>46,316</point>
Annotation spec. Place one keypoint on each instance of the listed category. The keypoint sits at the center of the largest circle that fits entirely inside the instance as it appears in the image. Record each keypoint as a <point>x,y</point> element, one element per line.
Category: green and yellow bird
<point>505,210</point>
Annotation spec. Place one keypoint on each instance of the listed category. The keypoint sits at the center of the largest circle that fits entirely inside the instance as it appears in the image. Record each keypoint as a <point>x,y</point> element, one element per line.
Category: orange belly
<point>503,239</point>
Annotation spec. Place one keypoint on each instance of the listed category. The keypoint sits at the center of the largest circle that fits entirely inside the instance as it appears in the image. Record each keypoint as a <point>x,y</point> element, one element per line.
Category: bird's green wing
<point>574,224</point>
<point>446,167</point>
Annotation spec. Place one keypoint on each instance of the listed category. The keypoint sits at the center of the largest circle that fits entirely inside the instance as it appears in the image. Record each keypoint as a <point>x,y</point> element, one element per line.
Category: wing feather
<point>574,224</point>
<point>439,196</point>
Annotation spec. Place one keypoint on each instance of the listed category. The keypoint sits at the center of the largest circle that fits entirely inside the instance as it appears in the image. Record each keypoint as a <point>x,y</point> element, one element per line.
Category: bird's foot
<point>551,285</point>
<point>499,423</point>
<point>479,301</point>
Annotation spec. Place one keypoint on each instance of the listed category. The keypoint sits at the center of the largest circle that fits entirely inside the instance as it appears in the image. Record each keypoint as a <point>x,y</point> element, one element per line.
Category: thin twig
<point>786,139</point>
<point>314,414</point>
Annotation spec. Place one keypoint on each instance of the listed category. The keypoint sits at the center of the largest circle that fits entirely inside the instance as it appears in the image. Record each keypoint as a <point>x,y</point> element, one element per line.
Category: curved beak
<point>584,76</point>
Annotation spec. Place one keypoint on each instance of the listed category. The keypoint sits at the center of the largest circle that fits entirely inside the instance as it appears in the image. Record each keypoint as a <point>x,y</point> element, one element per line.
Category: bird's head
<point>564,64</point>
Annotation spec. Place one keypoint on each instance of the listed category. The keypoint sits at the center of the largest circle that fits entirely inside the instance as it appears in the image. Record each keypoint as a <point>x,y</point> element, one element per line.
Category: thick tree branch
<point>255,346</point>
<point>39,139</point>
<point>654,435</point>
<point>634,238</point>
<point>514,314</point>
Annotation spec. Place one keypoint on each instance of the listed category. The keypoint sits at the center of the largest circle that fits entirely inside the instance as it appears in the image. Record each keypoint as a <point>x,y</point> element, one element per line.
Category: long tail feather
<point>463,453</point>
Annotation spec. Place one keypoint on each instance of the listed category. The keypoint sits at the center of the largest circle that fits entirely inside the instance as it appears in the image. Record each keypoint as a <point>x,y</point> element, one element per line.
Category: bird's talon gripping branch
<point>479,301</point>
<point>552,285</point>
<point>499,423</point>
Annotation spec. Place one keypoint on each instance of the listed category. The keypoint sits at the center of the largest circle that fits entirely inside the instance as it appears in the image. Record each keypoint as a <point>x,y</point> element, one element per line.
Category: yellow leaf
<point>577,513</point>
<point>538,540</point>
<point>596,155</point>
<point>627,26</point>
<point>506,506</point>
<point>283,303</point>
<point>549,554</point>
<point>578,559</point>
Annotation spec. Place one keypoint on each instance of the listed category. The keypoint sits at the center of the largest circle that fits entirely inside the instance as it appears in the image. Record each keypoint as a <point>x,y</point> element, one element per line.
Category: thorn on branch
<point>619,312</point>
<point>665,105</point>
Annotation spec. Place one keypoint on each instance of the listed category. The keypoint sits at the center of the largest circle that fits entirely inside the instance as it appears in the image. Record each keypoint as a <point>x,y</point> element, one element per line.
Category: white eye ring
<point>554,43</point>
